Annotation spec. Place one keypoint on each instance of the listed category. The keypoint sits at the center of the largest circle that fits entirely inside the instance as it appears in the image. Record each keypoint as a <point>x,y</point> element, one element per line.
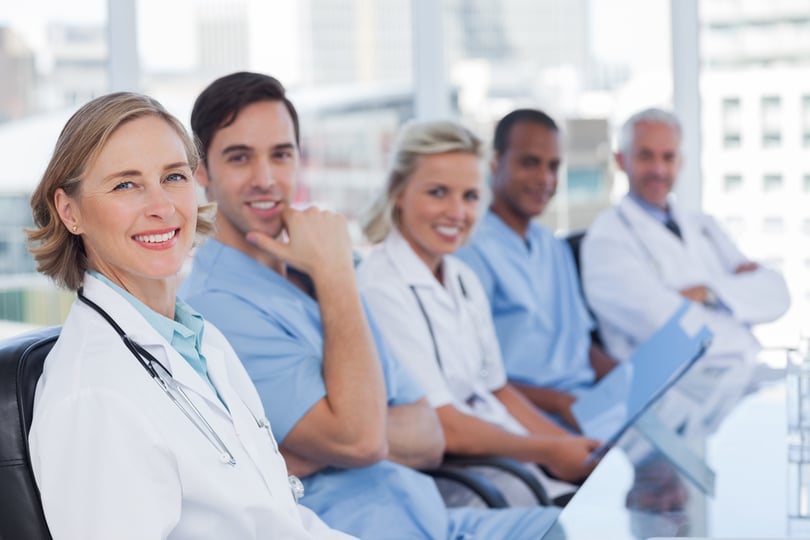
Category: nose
<point>548,177</point>
<point>159,202</point>
<point>659,167</point>
<point>456,208</point>
<point>263,175</point>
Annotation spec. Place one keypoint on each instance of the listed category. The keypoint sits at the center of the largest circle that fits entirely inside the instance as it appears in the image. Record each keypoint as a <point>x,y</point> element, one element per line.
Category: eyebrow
<point>134,172</point>
<point>246,148</point>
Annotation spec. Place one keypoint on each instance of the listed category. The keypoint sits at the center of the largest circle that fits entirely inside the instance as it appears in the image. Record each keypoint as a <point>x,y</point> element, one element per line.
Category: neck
<point>159,295</point>
<point>238,242</point>
<point>518,223</point>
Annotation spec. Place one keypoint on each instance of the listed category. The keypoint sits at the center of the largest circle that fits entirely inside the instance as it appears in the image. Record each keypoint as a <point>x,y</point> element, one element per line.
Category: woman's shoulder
<point>376,266</point>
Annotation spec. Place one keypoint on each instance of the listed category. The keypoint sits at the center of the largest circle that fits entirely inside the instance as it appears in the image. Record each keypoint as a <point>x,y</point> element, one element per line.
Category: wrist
<point>710,298</point>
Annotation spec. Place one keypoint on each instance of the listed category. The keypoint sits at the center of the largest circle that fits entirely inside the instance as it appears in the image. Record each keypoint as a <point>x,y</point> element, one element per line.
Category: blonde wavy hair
<point>59,254</point>
<point>415,139</point>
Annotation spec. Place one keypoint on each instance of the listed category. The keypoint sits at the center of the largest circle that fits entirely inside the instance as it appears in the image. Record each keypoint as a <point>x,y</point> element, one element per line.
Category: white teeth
<point>448,231</point>
<point>155,238</point>
<point>263,205</point>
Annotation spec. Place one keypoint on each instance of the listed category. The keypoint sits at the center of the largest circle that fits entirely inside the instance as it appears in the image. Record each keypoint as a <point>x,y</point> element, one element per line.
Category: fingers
<point>318,241</point>
<point>268,244</point>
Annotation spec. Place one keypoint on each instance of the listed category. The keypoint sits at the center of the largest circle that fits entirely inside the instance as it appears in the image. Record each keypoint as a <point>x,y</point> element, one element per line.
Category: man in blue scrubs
<point>542,322</point>
<point>279,283</point>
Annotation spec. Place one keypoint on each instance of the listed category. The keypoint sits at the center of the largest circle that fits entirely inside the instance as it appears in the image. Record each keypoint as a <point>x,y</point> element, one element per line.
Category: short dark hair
<point>504,126</point>
<point>221,102</point>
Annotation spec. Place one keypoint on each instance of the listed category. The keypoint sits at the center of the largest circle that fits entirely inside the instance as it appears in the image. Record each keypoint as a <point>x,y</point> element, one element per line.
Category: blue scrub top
<point>541,320</point>
<point>276,330</point>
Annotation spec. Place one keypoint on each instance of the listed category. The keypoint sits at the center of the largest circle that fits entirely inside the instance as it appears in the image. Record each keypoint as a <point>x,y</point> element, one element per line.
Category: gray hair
<point>628,131</point>
<point>415,139</point>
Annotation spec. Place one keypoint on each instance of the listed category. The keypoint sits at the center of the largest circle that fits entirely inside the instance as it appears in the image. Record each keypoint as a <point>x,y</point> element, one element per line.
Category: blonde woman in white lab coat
<point>145,424</point>
<point>434,314</point>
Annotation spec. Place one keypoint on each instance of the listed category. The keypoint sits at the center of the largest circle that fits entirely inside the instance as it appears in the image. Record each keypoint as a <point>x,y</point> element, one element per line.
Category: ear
<point>619,156</point>
<point>398,199</point>
<point>493,163</point>
<point>201,175</point>
<point>68,211</point>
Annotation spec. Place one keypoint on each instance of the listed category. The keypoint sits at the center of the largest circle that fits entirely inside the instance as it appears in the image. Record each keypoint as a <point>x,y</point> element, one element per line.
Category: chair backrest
<point>574,240</point>
<point>21,360</point>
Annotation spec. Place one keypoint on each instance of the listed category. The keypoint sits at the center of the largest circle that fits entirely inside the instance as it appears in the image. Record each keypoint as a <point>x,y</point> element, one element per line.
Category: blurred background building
<point>352,68</point>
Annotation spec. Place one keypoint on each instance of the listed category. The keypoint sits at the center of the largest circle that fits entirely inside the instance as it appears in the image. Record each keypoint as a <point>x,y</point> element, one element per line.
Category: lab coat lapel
<point>414,271</point>
<point>142,333</point>
<point>674,257</point>
<point>245,421</point>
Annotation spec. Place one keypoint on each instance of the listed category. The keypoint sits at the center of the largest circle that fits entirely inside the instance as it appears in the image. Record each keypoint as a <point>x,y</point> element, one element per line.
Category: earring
<point>74,228</point>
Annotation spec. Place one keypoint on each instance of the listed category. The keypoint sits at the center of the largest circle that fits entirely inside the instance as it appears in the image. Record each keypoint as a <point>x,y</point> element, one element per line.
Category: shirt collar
<point>527,244</point>
<point>661,216</point>
<point>187,323</point>
<point>412,269</point>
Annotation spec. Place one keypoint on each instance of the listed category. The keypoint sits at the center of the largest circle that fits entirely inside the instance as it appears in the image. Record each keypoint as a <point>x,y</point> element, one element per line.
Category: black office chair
<point>506,465</point>
<point>478,484</point>
<point>21,360</point>
<point>574,240</point>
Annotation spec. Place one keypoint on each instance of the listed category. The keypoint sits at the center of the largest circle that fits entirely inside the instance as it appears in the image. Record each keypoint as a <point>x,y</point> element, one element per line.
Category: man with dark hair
<point>280,285</point>
<point>529,275</point>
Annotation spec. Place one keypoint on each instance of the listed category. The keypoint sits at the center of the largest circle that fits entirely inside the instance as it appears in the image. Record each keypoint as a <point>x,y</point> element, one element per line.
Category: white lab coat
<point>114,457</point>
<point>461,322</point>
<point>633,268</point>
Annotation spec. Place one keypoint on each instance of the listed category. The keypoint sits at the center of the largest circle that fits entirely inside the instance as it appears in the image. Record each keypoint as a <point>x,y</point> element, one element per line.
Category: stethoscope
<point>483,371</point>
<point>178,396</point>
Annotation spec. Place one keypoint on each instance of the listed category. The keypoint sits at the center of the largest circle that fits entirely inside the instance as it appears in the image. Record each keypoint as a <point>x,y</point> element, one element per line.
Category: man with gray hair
<point>642,257</point>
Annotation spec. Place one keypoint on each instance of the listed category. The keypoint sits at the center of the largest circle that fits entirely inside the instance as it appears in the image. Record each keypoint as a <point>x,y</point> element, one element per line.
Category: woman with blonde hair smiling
<point>435,316</point>
<point>145,423</point>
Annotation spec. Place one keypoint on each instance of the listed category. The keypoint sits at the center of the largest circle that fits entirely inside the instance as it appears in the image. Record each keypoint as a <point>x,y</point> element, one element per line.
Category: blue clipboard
<point>609,408</point>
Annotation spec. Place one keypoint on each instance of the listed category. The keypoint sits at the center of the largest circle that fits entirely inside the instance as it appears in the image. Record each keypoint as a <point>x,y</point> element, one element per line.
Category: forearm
<point>471,436</point>
<point>549,400</point>
<point>601,362</point>
<point>355,390</point>
<point>566,456</point>
<point>415,437</point>
<point>299,465</point>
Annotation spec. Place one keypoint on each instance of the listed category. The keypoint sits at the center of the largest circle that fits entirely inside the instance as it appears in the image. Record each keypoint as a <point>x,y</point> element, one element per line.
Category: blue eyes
<point>171,178</point>
<point>123,185</point>
<point>176,177</point>
<point>440,192</point>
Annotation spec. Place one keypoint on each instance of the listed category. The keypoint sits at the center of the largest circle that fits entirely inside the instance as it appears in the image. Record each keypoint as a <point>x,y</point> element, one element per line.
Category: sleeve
<point>82,499</point>
<point>753,297</point>
<point>283,366</point>
<point>405,333</point>
<point>621,282</point>
<point>401,388</point>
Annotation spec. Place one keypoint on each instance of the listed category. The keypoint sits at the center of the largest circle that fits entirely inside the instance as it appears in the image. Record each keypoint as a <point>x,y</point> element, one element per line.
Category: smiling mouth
<point>448,231</point>
<point>155,238</point>
<point>263,205</point>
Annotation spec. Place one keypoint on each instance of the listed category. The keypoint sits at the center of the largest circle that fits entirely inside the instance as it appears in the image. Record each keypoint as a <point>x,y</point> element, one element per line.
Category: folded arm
<point>415,437</point>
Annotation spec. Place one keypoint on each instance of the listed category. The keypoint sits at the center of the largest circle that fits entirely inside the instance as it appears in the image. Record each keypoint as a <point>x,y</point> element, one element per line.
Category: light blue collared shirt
<point>184,333</point>
<point>540,317</point>
<point>659,215</point>
<point>276,330</point>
